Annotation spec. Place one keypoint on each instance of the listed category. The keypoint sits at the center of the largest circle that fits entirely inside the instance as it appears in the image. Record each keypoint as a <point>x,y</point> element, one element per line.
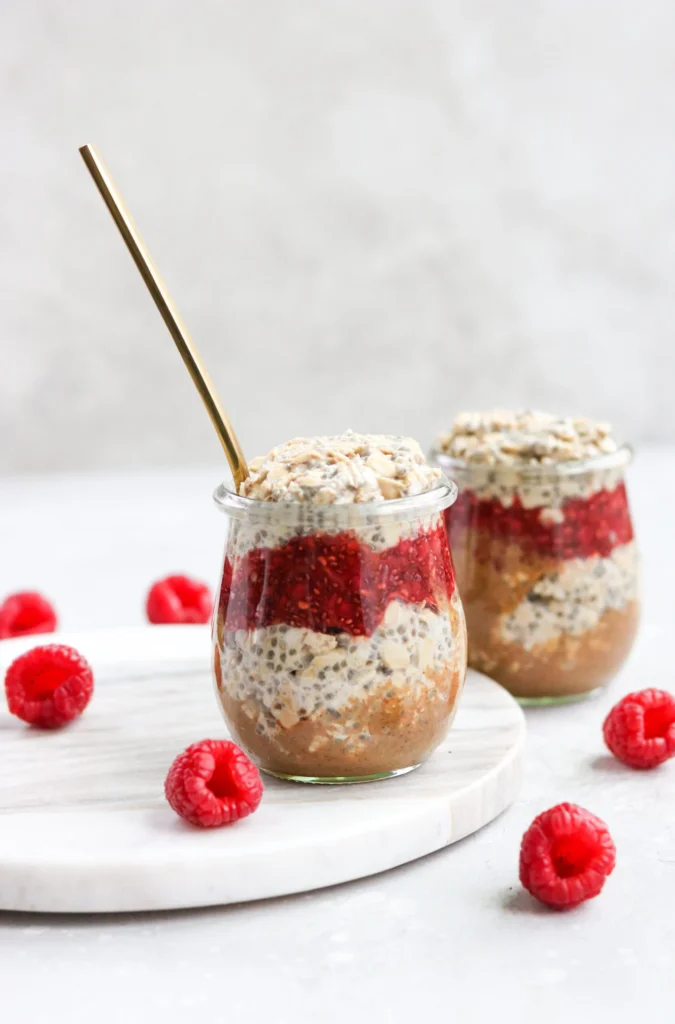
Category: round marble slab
<point>84,826</point>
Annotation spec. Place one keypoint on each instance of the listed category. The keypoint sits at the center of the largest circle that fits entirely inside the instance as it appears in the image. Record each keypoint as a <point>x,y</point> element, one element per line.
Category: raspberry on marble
<point>213,783</point>
<point>49,686</point>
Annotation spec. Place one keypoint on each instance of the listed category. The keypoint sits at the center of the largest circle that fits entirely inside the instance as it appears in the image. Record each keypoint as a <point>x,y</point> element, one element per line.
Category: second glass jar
<point>339,636</point>
<point>547,569</point>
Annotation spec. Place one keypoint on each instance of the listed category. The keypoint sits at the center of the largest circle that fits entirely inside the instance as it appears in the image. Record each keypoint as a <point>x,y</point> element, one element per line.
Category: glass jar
<point>547,568</point>
<point>339,637</point>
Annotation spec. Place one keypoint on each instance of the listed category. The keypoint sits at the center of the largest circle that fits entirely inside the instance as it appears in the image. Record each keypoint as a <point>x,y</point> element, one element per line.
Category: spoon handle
<point>170,315</point>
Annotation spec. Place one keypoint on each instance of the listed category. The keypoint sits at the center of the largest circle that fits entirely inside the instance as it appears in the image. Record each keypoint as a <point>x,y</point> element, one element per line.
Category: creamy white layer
<point>244,536</point>
<point>573,599</point>
<point>284,674</point>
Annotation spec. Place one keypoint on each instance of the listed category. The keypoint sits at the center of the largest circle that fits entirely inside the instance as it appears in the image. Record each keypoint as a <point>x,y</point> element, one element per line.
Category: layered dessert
<point>543,544</point>
<point>340,645</point>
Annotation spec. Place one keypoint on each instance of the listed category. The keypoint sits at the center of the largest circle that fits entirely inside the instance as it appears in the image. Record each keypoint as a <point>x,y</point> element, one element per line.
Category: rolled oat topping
<point>346,468</point>
<point>525,436</point>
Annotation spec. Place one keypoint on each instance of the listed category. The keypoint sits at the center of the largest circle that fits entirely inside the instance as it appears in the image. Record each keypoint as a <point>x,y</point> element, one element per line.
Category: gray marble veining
<point>84,825</point>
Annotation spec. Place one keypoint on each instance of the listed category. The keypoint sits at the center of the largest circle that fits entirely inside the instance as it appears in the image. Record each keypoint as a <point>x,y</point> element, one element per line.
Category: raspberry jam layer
<point>331,583</point>
<point>590,526</point>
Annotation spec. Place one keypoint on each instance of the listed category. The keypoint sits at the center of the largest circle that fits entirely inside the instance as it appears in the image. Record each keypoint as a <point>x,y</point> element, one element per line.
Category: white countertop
<point>449,935</point>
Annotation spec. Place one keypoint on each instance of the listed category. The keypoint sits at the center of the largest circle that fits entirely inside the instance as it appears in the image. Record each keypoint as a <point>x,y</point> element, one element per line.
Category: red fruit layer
<point>333,583</point>
<point>592,526</point>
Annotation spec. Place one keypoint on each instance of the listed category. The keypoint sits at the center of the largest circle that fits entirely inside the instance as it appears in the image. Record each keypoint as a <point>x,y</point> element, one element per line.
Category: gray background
<point>371,213</point>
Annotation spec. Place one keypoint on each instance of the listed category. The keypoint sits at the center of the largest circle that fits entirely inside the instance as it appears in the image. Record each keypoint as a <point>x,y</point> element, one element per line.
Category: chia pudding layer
<point>337,704</point>
<point>340,644</point>
<point>543,544</point>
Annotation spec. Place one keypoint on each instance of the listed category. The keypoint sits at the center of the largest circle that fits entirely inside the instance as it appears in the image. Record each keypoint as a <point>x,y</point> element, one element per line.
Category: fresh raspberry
<point>49,686</point>
<point>213,783</point>
<point>179,599</point>
<point>24,613</point>
<point>640,729</point>
<point>565,856</point>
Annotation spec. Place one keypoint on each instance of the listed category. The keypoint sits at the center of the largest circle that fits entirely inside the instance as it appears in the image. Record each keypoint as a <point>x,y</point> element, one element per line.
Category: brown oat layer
<point>495,576</point>
<point>387,731</point>
<point>563,666</point>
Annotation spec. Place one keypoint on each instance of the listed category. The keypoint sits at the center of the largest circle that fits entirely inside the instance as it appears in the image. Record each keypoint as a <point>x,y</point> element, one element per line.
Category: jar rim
<point>529,471</point>
<point>347,514</point>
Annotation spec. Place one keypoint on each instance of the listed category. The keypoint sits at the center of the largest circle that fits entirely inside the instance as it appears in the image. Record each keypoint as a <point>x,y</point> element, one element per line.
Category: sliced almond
<point>395,615</point>
<point>249,709</point>
<point>287,718</point>
<point>276,471</point>
<point>425,653</point>
<point>394,655</point>
<point>361,655</point>
<point>311,479</point>
<point>320,643</point>
<point>381,464</point>
<point>390,488</point>
<point>321,662</point>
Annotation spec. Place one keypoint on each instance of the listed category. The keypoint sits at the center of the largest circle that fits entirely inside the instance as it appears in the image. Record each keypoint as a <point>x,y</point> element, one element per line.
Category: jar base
<point>339,780</point>
<point>561,698</point>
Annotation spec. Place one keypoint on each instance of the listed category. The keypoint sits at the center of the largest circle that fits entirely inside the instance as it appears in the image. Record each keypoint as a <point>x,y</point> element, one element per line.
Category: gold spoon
<point>160,294</point>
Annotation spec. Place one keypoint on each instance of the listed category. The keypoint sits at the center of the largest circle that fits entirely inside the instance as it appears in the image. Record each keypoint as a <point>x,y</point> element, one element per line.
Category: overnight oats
<point>340,643</point>
<point>542,541</point>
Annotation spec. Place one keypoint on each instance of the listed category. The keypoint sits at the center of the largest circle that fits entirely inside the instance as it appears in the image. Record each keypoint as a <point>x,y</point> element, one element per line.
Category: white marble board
<point>84,826</point>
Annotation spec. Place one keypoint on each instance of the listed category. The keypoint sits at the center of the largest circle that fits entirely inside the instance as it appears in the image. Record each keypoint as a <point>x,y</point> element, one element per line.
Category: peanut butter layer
<point>387,731</point>
<point>544,627</point>
<point>493,572</point>
<point>562,666</point>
